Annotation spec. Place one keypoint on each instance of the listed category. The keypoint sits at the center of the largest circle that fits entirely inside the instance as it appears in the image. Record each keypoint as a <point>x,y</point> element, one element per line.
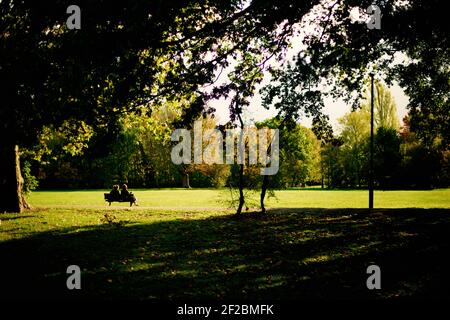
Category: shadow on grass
<point>285,254</point>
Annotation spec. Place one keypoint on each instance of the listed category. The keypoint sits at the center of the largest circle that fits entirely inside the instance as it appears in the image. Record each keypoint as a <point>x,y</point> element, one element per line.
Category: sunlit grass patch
<point>212,199</point>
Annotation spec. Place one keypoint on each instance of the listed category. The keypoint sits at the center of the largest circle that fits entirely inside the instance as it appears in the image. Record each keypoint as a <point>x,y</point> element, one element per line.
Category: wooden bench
<point>110,199</point>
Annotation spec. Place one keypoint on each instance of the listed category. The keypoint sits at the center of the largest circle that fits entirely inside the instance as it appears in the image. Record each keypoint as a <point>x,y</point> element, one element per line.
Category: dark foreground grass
<point>284,255</point>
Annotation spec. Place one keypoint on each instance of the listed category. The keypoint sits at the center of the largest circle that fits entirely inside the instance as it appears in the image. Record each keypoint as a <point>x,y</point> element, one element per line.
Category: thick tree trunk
<point>11,195</point>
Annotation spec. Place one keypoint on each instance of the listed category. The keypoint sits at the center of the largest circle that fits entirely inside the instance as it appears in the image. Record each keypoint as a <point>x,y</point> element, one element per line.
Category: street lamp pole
<point>371,173</point>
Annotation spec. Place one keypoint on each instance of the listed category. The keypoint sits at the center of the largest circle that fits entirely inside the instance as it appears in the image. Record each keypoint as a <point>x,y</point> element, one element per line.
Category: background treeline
<point>136,150</point>
<point>403,158</point>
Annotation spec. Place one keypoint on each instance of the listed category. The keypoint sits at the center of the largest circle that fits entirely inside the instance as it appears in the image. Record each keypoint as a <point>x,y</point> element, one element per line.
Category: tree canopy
<point>131,56</point>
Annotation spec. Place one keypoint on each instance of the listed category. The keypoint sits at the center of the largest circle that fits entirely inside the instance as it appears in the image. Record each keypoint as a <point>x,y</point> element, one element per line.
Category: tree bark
<point>241,190</point>
<point>11,181</point>
<point>264,186</point>
<point>184,171</point>
<point>241,175</point>
<point>186,183</point>
<point>265,182</point>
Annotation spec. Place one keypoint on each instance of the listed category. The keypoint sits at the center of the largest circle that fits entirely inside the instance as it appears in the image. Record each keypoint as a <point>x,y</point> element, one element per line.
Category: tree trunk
<point>12,198</point>
<point>241,175</point>
<point>241,190</point>
<point>186,183</point>
<point>265,183</point>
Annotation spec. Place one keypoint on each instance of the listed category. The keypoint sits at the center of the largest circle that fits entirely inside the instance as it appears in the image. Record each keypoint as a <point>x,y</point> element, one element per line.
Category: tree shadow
<point>285,254</point>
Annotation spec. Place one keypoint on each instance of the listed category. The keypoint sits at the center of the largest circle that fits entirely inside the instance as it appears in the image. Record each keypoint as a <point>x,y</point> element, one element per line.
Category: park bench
<point>109,198</point>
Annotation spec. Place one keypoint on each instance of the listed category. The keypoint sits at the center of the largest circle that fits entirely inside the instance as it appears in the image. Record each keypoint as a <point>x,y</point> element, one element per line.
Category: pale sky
<point>334,110</point>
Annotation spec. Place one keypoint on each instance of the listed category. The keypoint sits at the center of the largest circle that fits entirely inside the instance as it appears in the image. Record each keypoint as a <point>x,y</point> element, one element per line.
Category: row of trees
<point>402,159</point>
<point>139,154</point>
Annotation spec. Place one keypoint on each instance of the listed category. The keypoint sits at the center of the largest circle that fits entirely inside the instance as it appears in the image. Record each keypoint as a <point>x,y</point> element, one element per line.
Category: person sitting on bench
<point>115,194</point>
<point>127,195</point>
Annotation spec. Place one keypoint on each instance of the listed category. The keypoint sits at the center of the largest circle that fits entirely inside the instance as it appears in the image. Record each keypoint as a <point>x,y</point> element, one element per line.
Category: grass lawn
<point>290,253</point>
<point>206,198</point>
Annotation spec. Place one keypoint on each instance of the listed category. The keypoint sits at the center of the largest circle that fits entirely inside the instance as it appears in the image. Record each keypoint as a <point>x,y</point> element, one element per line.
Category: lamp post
<point>371,175</point>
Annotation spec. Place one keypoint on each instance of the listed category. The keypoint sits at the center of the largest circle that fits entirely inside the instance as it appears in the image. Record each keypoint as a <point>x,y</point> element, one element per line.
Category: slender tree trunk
<point>186,183</point>
<point>185,176</point>
<point>265,182</point>
<point>241,190</point>
<point>264,186</point>
<point>241,175</point>
<point>12,198</point>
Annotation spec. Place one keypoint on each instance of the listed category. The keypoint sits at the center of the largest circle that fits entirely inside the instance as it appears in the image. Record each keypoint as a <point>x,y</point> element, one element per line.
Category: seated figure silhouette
<point>115,194</point>
<point>127,195</point>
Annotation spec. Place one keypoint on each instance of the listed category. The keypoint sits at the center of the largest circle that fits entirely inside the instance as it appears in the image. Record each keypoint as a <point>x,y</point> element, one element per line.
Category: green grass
<point>184,244</point>
<point>207,198</point>
<point>285,254</point>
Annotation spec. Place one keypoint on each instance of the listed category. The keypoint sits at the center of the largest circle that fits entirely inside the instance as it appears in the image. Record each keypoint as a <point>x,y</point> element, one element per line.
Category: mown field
<point>166,250</point>
<point>206,198</point>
